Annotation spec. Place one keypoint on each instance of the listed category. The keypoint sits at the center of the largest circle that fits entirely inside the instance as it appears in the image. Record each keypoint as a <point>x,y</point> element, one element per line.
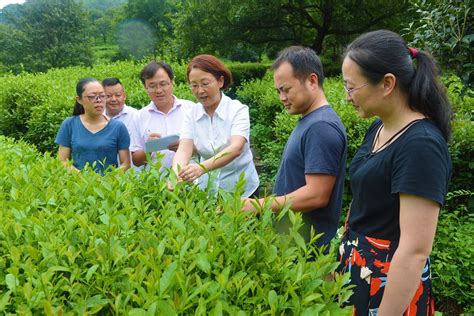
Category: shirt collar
<point>123,112</point>
<point>176,104</point>
<point>220,111</point>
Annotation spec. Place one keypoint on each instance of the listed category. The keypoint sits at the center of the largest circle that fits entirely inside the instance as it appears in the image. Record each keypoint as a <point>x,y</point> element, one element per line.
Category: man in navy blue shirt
<point>312,169</point>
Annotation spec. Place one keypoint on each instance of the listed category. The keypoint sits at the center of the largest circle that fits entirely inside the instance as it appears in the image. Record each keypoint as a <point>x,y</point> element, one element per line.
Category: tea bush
<point>242,72</point>
<point>452,257</point>
<point>79,243</point>
<point>32,106</point>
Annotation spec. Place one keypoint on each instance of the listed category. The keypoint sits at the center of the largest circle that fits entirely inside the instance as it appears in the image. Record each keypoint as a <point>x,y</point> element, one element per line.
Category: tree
<point>9,13</point>
<point>272,24</point>
<point>102,5</point>
<point>55,34</point>
<point>131,45</point>
<point>11,52</point>
<point>447,31</point>
<point>156,14</point>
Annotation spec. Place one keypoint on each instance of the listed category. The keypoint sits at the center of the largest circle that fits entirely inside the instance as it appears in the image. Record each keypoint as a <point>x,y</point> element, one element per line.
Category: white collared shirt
<point>127,117</point>
<point>151,120</point>
<point>211,135</point>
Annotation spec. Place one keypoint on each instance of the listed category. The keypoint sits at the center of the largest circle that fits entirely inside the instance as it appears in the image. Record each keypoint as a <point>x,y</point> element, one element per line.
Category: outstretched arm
<point>219,160</point>
<point>316,193</point>
<point>183,155</point>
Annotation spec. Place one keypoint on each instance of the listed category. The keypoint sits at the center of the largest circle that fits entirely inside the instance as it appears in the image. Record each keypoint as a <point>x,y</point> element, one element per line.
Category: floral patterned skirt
<point>368,261</point>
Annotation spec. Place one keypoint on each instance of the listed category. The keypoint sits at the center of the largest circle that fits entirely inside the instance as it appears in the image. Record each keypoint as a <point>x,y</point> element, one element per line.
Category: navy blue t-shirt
<point>417,163</point>
<point>100,148</point>
<point>318,144</point>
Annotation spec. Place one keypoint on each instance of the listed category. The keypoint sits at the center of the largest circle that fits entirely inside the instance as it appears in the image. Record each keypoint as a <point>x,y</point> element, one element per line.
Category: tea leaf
<point>166,309</point>
<point>4,300</point>
<point>12,282</point>
<point>246,288</point>
<point>167,277</point>
<point>105,219</point>
<point>96,301</point>
<point>312,297</point>
<point>138,312</point>
<point>48,308</point>
<point>272,299</point>
<point>91,271</point>
<point>203,263</point>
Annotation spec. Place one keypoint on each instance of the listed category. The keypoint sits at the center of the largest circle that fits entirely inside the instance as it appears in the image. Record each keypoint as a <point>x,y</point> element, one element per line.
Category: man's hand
<point>153,136</point>
<point>250,205</point>
<point>191,172</point>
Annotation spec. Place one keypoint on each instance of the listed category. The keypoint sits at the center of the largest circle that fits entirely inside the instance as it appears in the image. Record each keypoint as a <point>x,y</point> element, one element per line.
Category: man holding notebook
<point>162,117</point>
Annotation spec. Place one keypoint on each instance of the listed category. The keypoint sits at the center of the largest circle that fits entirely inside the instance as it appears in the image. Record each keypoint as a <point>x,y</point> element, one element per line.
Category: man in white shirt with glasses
<point>161,117</point>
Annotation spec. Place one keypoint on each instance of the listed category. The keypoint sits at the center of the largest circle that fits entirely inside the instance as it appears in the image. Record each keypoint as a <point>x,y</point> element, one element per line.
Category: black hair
<point>110,82</point>
<point>304,62</point>
<point>78,108</point>
<point>380,52</point>
<point>150,70</point>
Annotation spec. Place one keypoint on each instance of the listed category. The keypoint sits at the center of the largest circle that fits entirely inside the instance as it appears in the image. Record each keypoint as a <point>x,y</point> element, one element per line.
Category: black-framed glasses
<point>350,91</point>
<point>95,98</point>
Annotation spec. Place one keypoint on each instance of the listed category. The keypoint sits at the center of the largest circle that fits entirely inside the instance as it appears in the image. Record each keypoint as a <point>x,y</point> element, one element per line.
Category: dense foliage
<point>124,244</point>
<point>33,105</point>
<point>452,256</point>
<point>52,33</point>
<point>446,29</point>
<point>251,27</point>
<point>241,31</point>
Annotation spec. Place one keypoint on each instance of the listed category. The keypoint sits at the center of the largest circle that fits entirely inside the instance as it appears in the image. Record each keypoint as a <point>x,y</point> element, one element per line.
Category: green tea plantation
<point>78,243</point>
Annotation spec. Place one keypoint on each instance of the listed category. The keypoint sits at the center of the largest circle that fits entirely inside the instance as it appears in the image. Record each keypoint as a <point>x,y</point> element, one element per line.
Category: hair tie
<point>413,52</point>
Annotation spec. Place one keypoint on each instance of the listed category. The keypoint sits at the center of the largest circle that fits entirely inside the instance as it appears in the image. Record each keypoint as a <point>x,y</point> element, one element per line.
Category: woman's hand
<point>191,172</point>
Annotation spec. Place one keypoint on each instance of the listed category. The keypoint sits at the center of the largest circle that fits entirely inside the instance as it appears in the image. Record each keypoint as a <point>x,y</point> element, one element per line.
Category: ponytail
<point>78,109</point>
<point>380,52</point>
<point>428,95</point>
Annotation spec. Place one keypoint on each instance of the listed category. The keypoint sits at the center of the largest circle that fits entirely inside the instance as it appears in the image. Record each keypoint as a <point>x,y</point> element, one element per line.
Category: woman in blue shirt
<point>89,137</point>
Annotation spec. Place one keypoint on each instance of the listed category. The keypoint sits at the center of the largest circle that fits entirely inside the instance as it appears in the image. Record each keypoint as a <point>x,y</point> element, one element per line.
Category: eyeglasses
<point>154,87</point>
<point>204,85</point>
<point>350,91</point>
<point>95,98</point>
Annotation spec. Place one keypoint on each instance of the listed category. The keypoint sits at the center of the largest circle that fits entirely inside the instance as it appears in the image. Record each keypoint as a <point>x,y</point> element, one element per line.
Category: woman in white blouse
<point>218,127</point>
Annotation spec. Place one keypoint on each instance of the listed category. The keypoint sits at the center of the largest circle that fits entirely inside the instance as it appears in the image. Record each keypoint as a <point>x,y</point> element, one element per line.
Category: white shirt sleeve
<point>136,142</point>
<point>241,122</point>
<point>187,128</point>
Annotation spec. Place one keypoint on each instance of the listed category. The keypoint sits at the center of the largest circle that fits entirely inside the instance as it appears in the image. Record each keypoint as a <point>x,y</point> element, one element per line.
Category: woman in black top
<point>399,176</point>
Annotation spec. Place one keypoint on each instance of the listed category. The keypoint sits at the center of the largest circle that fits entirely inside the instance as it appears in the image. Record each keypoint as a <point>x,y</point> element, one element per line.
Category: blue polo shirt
<point>318,144</point>
<point>98,149</point>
